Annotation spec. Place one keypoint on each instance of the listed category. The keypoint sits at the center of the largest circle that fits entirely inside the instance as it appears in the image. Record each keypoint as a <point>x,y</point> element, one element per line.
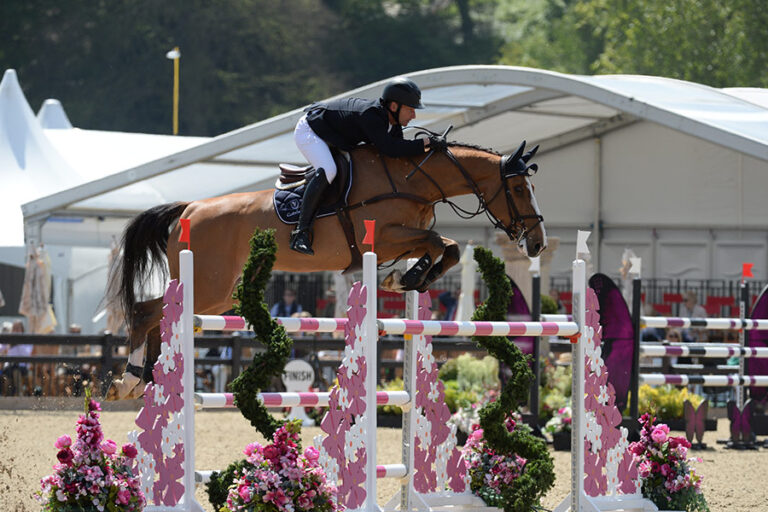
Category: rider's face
<point>407,114</point>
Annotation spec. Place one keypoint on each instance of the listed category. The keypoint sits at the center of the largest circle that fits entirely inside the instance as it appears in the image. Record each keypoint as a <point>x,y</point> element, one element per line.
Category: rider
<point>345,123</point>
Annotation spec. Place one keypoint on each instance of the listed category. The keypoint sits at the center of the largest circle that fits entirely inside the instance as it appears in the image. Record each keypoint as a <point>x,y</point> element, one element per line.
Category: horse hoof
<point>121,389</point>
<point>393,282</point>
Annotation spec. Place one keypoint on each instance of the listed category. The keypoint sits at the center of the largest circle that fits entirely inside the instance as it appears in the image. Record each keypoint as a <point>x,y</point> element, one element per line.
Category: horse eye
<point>518,189</point>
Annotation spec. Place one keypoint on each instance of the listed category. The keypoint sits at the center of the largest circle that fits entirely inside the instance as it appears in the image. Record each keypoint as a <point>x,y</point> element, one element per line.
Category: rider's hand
<point>438,143</point>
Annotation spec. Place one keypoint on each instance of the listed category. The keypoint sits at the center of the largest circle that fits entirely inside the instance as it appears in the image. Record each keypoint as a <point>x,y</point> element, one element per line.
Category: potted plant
<point>559,428</point>
<point>491,473</point>
<point>468,379</point>
<point>668,479</point>
<point>92,473</point>
<point>667,404</point>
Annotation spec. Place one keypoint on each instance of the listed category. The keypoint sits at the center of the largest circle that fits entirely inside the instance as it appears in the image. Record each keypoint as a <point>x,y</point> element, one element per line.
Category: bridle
<point>509,167</point>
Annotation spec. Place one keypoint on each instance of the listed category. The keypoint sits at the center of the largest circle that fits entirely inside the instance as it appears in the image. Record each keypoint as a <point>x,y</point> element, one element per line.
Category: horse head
<point>515,211</point>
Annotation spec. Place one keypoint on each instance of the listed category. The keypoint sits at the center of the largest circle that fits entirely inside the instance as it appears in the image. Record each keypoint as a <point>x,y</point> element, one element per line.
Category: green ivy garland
<point>539,475</point>
<point>249,297</point>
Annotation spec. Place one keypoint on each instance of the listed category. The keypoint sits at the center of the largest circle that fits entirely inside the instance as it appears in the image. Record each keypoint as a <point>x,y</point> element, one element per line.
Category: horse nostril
<point>537,248</point>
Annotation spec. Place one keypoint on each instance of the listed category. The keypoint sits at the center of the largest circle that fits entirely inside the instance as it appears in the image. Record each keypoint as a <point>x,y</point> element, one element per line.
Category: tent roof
<point>495,106</point>
<point>30,166</point>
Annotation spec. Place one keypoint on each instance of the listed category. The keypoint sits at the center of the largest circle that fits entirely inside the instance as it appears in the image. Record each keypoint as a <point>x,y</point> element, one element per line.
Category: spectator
<point>651,333</point>
<point>450,301</point>
<point>329,311</point>
<point>17,374</point>
<point>556,297</point>
<point>691,309</point>
<point>287,306</point>
<point>676,336</point>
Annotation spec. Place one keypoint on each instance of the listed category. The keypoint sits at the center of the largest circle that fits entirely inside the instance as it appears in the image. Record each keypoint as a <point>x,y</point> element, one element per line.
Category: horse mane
<point>454,144</point>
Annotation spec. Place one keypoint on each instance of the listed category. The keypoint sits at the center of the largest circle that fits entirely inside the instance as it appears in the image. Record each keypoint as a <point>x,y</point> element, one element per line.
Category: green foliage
<point>449,370</point>
<point>538,476</point>
<point>665,402</point>
<point>548,305</point>
<point>265,365</point>
<point>474,373</point>
<point>456,398</point>
<point>467,379</point>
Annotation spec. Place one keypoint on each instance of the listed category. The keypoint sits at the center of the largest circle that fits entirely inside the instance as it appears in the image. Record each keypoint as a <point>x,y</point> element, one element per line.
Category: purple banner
<point>617,335</point>
<point>518,312</point>
<point>758,339</point>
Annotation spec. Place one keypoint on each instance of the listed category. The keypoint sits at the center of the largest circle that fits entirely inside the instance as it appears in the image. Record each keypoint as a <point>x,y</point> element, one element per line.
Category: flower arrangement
<point>560,422</point>
<point>279,478</point>
<point>92,474</point>
<point>492,473</point>
<point>668,480</point>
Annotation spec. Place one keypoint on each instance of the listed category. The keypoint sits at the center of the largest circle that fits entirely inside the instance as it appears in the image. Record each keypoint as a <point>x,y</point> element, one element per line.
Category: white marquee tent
<point>43,155</point>
<point>675,170</point>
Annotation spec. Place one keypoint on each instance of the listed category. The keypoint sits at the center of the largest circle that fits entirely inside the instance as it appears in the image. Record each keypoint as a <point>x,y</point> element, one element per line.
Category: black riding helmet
<point>402,91</point>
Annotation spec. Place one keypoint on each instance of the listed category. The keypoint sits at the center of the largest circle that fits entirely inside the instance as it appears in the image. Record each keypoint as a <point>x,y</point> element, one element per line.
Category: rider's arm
<point>375,129</point>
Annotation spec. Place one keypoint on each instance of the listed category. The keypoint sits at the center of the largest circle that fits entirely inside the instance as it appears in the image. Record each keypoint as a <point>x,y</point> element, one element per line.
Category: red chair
<point>396,305</point>
<point>672,298</point>
<point>712,309</point>
<point>663,309</point>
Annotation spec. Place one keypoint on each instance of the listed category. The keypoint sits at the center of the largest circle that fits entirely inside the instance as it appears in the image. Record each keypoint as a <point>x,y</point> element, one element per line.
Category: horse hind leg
<point>146,316</point>
<point>153,353</point>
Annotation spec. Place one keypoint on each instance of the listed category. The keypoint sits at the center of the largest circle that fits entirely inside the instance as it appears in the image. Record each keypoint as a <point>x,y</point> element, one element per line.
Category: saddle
<point>289,194</point>
<point>289,189</point>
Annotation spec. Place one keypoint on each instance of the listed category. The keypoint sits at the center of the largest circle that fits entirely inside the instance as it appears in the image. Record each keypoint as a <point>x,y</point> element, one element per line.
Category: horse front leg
<point>427,245</point>
<point>451,256</point>
<point>146,315</point>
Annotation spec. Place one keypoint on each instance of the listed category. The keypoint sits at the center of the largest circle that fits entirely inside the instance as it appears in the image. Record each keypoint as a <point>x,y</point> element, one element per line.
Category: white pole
<point>186,276</point>
<point>577,396</point>
<point>409,377</point>
<point>370,342</point>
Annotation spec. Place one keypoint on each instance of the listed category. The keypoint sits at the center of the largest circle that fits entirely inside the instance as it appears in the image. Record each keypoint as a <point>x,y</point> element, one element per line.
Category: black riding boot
<point>301,237</point>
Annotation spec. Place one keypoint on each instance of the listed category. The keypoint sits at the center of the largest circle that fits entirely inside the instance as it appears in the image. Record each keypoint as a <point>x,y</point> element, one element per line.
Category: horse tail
<point>144,244</point>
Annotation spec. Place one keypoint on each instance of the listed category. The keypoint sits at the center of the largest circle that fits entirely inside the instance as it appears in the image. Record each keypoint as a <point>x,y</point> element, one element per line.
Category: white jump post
<point>370,333</point>
<point>186,275</point>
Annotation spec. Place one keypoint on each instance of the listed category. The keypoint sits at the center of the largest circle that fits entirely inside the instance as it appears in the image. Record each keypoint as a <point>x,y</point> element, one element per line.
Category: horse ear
<point>519,153</point>
<point>530,154</point>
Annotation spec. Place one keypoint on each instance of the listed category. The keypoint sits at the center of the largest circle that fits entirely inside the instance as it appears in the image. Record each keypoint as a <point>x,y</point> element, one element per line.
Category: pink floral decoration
<point>339,420</point>
<point>162,399</point>
<point>611,455</point>
<point>430,397</point>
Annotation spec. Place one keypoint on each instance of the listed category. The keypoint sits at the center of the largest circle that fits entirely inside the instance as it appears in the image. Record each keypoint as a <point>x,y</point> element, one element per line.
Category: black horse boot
<point>301,237</point>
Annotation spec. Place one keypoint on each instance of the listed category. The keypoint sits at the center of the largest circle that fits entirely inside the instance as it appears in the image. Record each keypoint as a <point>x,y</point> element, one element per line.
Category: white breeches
<point>314,149</point>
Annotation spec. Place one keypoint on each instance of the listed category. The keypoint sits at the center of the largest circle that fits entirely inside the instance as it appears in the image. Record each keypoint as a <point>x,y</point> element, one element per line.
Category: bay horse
<point>399,193</point>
